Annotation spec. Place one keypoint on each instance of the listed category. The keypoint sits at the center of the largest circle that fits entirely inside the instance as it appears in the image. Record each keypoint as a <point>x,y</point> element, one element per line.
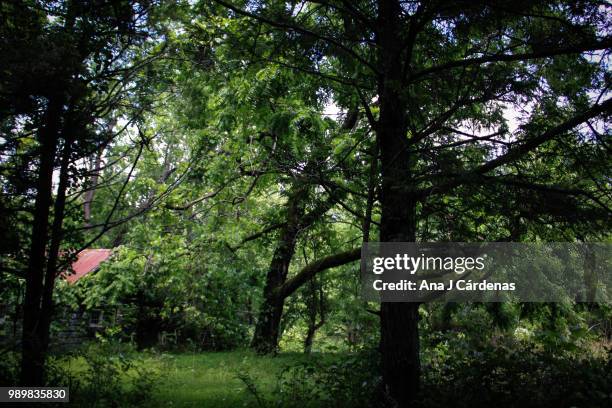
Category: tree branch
<point>302,30</point>
<point>519,151</point>
<point>310,270</point>
<point>549,52</point>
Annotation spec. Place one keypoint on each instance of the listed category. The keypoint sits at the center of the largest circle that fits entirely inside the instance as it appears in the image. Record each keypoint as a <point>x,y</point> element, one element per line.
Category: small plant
<point>251,388</point>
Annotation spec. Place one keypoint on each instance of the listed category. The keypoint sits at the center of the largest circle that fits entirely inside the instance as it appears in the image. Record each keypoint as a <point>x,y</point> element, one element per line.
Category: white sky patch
<point>513,118</point>
<point>331,109</point>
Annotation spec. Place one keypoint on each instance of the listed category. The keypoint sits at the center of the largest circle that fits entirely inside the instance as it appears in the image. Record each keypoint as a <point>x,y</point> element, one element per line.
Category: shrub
<point>9,368</point>
<point>351,381</point>
<point>107,375</point>
<point>515,375</point>
<point>519,376</point>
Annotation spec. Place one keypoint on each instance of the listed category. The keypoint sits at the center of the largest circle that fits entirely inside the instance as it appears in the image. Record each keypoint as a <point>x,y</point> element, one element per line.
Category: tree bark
<point>33,356</point>
<point>313,268</point>
<point>399,343</point>
<point>281,292</point>
<point>267,329</point>
<point>278,287</point>
<point>46,311</point>
<point>265,339</point>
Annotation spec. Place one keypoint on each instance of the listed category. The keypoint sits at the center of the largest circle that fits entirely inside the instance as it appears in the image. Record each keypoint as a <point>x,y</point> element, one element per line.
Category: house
<point>75,325</point>
<point>88,261</point>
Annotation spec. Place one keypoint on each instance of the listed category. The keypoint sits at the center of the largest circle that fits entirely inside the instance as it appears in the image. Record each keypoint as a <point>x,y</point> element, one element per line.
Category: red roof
<point>87,261</point>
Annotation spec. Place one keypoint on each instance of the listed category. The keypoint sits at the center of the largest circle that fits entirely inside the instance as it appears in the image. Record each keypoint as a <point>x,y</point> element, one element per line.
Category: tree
<point>67,66</point>
<point>296,220</point>
<point>281,145</point>
<point>436,81</point>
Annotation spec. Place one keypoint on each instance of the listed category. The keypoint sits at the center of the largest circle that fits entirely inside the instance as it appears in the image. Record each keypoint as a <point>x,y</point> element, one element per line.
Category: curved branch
<point>519,151</point>
<point>549,52</point>
<point>310,270</point>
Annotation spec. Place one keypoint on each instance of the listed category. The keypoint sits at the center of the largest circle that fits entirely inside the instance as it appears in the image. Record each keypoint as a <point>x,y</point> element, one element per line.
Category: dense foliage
<point>235,155</point>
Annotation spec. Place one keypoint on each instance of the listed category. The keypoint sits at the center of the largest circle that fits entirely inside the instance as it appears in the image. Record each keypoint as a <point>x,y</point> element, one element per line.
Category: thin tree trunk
<point>51,273</point>
<point>316,307</point>
<point>32,361</point>
<point>97,165</point>
<point>309,339</point>
<point>90,194</point>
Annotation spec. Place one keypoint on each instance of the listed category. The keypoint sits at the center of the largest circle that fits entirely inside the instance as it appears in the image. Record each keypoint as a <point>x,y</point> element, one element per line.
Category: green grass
<point>186,379</point>
<point>210,379</point>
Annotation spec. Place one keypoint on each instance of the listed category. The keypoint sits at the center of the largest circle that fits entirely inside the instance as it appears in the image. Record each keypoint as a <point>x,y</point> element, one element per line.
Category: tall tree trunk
<point>265,339</point>
<point>398,321</point>
<point>267,329</point>
<point>46,311</point>
<point>32,361</point>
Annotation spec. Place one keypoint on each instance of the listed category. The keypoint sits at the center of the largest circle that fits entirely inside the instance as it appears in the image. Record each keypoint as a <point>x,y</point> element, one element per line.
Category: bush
<point>516,375</point>
<point>519,376</point>
<point>106,375</point>
<point>350,381</point>
<point>9,368</point>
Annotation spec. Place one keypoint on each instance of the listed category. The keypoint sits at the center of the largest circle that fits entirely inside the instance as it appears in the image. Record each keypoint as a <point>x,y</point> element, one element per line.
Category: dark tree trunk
<point>311,306</point>
<point>309,339</point>
<point>265,340</point>
<point>46,312</point>
<point>398,321</point>
<point>400,350</point>
<point>367,216</point>
<point>267,330</point>
<point>316,307</point>
<point>33,355</point>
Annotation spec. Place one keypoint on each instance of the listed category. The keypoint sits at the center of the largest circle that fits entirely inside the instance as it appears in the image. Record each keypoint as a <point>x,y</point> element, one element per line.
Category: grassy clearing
<point>210,379</point>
